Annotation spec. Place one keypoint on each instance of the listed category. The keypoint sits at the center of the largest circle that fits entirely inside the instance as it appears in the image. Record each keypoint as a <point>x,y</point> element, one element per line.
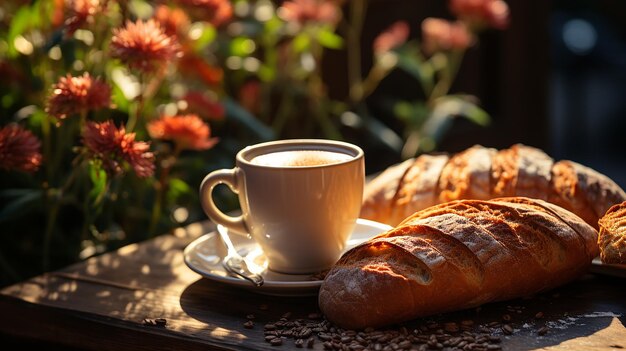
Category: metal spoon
<point>237,265</point>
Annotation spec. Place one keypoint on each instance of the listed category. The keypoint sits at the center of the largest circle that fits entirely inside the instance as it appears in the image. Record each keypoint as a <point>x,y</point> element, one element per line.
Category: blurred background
<point>549,74</point>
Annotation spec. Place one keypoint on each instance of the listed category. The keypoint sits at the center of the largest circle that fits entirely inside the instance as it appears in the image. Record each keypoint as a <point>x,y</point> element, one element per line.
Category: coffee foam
<point>300,158</point>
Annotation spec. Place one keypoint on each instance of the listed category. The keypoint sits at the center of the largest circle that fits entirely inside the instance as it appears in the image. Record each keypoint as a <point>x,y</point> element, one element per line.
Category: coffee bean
<point>250,317</point>
<point>542,331</point>
<point>270,327</point>
<point>539,315</point>
<point>276,342</point>
<point>309,343</point>
<point>507,329</point>
<point>286,315</point>
<point>269,338</point>
<point>451,327</point>
<point>494,347</point>
<point>299,343</point>
<point>506,317</point>
<point>248,325</point>
<point>149,321</point>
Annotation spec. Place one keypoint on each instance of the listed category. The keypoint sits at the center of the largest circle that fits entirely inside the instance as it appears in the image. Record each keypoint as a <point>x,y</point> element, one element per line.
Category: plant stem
<point>358,9</point>
<point>442,87</point>
<point>50,223</point>
<point>161,188</point>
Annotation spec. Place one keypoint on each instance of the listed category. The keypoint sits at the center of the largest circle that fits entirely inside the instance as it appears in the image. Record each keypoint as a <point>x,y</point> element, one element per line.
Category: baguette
<point>483,173</point>
<point>457,255</point>
<point>612,238</point>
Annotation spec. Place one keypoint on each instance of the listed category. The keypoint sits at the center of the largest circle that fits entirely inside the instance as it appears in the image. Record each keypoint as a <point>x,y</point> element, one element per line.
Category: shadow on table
<point>592,308</point>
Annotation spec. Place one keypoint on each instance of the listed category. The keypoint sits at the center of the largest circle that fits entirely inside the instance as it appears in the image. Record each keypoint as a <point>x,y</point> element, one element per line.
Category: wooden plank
<point>100,304</point>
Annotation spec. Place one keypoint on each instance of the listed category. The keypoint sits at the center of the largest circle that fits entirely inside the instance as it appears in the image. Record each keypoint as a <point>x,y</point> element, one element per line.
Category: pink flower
<point>144,45</point>
<point>73,95</point>
<point>315,11</point>
<point>115,149</point>
<point>394,36</point>
<point>480,13</point>
<point>19,149</point>
<point>188,132</point>
<point>218,12</point>
<point>439,34</point>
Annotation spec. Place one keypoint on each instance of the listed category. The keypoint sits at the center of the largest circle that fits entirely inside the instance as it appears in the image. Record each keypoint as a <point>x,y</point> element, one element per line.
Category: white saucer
<point>204,256</point>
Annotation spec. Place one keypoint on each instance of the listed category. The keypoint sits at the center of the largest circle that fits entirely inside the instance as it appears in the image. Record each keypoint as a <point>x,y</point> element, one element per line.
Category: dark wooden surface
<point>99,304</point>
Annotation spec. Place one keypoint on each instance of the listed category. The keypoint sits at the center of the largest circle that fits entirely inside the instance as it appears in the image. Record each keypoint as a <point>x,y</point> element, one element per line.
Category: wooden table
<point>100,304</point>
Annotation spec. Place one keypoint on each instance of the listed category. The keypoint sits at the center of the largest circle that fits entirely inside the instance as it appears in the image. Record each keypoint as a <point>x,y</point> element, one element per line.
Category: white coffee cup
<point>299,198</point>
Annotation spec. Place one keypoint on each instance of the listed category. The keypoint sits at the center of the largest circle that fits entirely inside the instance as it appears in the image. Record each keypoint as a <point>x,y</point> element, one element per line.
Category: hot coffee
<point>300,158</point>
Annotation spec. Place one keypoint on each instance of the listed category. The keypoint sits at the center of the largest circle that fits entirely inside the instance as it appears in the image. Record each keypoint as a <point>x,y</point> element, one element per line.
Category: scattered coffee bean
<point>250,317</point>
<point>276,342</point>
<point>451,327</point>
<point>542,331</point>
<point>159,322</point>
<point>309,343</point>
<point>299,343</point>
<point>270,327</point>
<point>314,315</point>
<point>507,329</point>
<point>539,315</point>
<point>248,324</point>
<point>506,317</point>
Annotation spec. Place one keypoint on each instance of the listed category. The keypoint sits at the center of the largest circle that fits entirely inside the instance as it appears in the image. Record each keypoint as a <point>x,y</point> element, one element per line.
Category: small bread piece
<point>612,238</point>
<point>457,255</point>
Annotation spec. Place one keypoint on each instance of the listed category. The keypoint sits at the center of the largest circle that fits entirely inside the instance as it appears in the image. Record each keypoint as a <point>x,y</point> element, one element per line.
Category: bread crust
<point>612,238</point>
<point>476,251</point>
<point>484,173</point>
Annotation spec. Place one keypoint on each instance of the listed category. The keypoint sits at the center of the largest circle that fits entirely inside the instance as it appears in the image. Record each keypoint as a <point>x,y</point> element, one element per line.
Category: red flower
<point>144,45</point>
<point>394,36</point>
<point>72,95</point>
<point>480,13</point>
<point>217,12</point>
<point>250,96</point>
<point>439,34</point>
<point>316,11</point>
<point>204,105</point>
<point>188,132</point>
<point>19,149</point>
<point>174,21</point>
<point>115,148</point>
<point>81,12</point>
<point>194,66</point>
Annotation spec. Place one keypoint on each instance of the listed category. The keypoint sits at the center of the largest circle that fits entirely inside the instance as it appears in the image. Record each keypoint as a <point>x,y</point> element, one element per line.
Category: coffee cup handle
<point>222,176</point>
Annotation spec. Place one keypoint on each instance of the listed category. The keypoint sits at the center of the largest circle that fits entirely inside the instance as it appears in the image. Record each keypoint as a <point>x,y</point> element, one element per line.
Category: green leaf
<point>177,188</point>
<point>411,61</point>
<point>98,180</point>
<point>242,116</point>
<point>328,39</point>
<point>301,42</point>
<point>19,202</point>
<point>242,46</point>
<point>207,35</point>
<point>141,9</point>
<point>20,23</point>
